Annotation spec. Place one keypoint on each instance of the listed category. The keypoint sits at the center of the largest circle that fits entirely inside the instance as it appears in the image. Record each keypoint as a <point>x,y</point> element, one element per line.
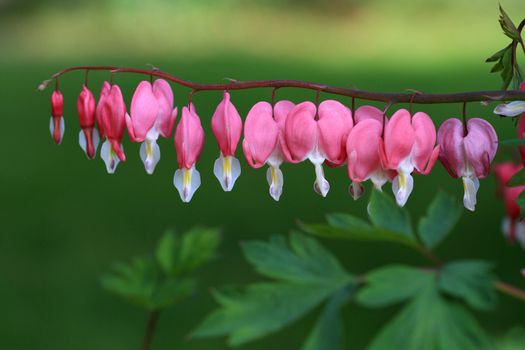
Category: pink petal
<point>166,115</point>
<point>368,112</point>
<point>106,87</point>
<point>144,110</point>
<point>301,131</point>
<point>481,144</point>
<point>189,138</point>
<point>450,140</point>
<point>399,138</point>
<point>335,123</point>
<point>362,148</point>
<point>280,113</point>
<point>261,134</point>
<point>114,114</point>
<point>86,106</point>
<point>226,124</point>
<point>425,140</point>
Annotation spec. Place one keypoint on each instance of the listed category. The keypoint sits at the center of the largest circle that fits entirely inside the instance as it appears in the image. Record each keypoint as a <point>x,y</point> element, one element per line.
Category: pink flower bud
<point>467,153</point>
<point>408,145</point>
<point>88,136</point>
<point>104,92</point>
<point>56,122</point>
<point>189,141</point>
<point>226,124</point>
<point>262,144</point>
<point>113,122</point>
<point>319,135</point>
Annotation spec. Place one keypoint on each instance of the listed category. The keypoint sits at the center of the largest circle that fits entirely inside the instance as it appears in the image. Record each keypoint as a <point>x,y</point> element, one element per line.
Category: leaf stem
<point>387,97</point>
<point>151,325</point>
<point>511,290</point>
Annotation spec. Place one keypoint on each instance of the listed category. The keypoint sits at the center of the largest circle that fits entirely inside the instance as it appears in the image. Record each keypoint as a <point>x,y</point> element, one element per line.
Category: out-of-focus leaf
<point>304,260</point>
<point>507,25</point>
<point>261,309</point>
<point>386,214</point>
<point>519,178</point>
<point>432,323</point>
<point>346,221</point>
<point>442,215</point>
<point>392,284</point>
<point>165,252</point>
<point>372,234</point>
<point>513,340</point>
<point>471,281</point>
<point>328,332</point>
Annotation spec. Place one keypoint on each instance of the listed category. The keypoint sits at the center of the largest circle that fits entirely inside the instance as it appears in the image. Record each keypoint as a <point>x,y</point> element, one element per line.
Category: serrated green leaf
<point>261,309</point>
<point>498,55</point>
<point>170,292</point>
<point>498,67</point>
<point>392,284</point>
<point>304,260</point>
<point>373,234</point>
<point>471,281</point>
<point>507,72</point>
<point>507,25</point>
<point>442,215</point>
<point>386,214</point>
<point>346,221</point>
<point>165,252</point>
<point>197,247</point>
<point>328,332</point>
<point>430,322</point>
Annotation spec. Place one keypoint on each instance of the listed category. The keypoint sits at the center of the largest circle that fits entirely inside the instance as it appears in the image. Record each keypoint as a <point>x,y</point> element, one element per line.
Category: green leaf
<point>498,55</point>
<point>519,178</point>
<point>261,309</point>
<point>304,260</point>
<point>198,246</point>
<point>392,284</point>
<point>442,215</point>
<point>504,65</point>
<point>430,322</point>
<point>165,252</point>
<point>513,340</point>
<point>346,221</point>
<point>328,332</point>
<point>372,234</point>
<point>471,281</point>
<point>507,25</point>
<point>386,214</point>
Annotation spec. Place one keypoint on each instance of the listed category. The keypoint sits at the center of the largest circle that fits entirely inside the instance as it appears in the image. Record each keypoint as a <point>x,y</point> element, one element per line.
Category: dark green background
<point>65,221</point>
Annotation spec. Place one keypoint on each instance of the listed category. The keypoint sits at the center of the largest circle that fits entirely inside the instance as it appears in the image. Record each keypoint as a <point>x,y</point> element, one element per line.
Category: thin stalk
<point>511,290</point>
<point>151,325</point>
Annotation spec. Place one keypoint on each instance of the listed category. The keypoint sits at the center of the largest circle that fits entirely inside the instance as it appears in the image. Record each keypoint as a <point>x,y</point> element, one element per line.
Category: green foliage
<point>158,282</point>
<point>384,213</point>
<point>508,27</point>
<point>392,284</point>
<point>442,215</point>
<point>431,322</point>
<point>470,280</point>
<point>513,340</point>
<point>306,275</point>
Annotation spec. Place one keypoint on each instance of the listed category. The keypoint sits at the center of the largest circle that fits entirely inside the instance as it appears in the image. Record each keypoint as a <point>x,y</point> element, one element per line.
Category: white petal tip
<point>187,181</point>
<point>275,179</point>
<point>109,157</point>
<point>511,109</point>
<point>150,155</point>
<point>356,190</point>
<point>227,170</point>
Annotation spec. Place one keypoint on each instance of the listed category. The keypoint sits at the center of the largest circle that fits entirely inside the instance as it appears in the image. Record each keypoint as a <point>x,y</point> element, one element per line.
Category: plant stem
<point>510,290</point>
<point>420,98</point>
<point>151,325</point>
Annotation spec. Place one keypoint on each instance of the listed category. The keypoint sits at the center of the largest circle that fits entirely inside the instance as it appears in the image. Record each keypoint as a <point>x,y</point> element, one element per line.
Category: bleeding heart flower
<point>363,149</point>
<point>88,136</point>
<point>113,122</point>
<point>56,122</point>
<point>408,145</point>
<point>319,135</point>
<point>513,227</point>
<point>104,92</point>
<point>521,130</point>
<point>226,124</point>
<point>264,139</point>
<point>467,152</point>
<point>152,114</point>
<point>189,140</point>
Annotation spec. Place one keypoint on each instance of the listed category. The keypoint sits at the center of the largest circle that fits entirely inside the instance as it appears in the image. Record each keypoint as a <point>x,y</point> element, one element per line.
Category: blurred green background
<point>65,221</point>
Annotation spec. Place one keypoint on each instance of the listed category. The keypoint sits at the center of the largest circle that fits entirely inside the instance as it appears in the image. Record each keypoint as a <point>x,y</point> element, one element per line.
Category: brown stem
<point>422,98</point>
<point>151,324</point>
<point>510,290</point>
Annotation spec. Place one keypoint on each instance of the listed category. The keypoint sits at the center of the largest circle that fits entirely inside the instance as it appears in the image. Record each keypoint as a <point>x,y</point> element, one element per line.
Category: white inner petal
<point>471,186</point>
<point>187,181</point>
<point>150,155</point>
<point>109,157</point>
<point>402,187</point>
<point>379,178</point>
<point>227,170</point>
<point>275,179</point>
<point>511,109</point>
<point>321,186</point>
<point>356,190</point>
<point>82,141</point>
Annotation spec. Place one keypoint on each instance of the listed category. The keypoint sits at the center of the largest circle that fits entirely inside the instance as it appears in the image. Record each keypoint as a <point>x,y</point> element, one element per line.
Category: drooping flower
<point>104,92</point>
<point>152,114</point>
<point>56,122</point>
<point>189,140</point>
<point>363,149</point>
<point>408,146</point>
<point>466,152</point>
<point>226,124</point>
<point>521,130</point>
<point>318,134</point>
<point>513,226</point>
<point>264,141</point>
<point>113,122</point>
<point>88,137</point>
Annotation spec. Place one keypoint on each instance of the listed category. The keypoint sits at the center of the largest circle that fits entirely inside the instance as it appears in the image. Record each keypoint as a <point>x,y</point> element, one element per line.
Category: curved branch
<point>422,98</point>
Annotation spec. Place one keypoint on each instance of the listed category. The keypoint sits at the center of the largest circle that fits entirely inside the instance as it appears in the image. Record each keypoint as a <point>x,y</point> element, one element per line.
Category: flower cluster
<point>373,146</point>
